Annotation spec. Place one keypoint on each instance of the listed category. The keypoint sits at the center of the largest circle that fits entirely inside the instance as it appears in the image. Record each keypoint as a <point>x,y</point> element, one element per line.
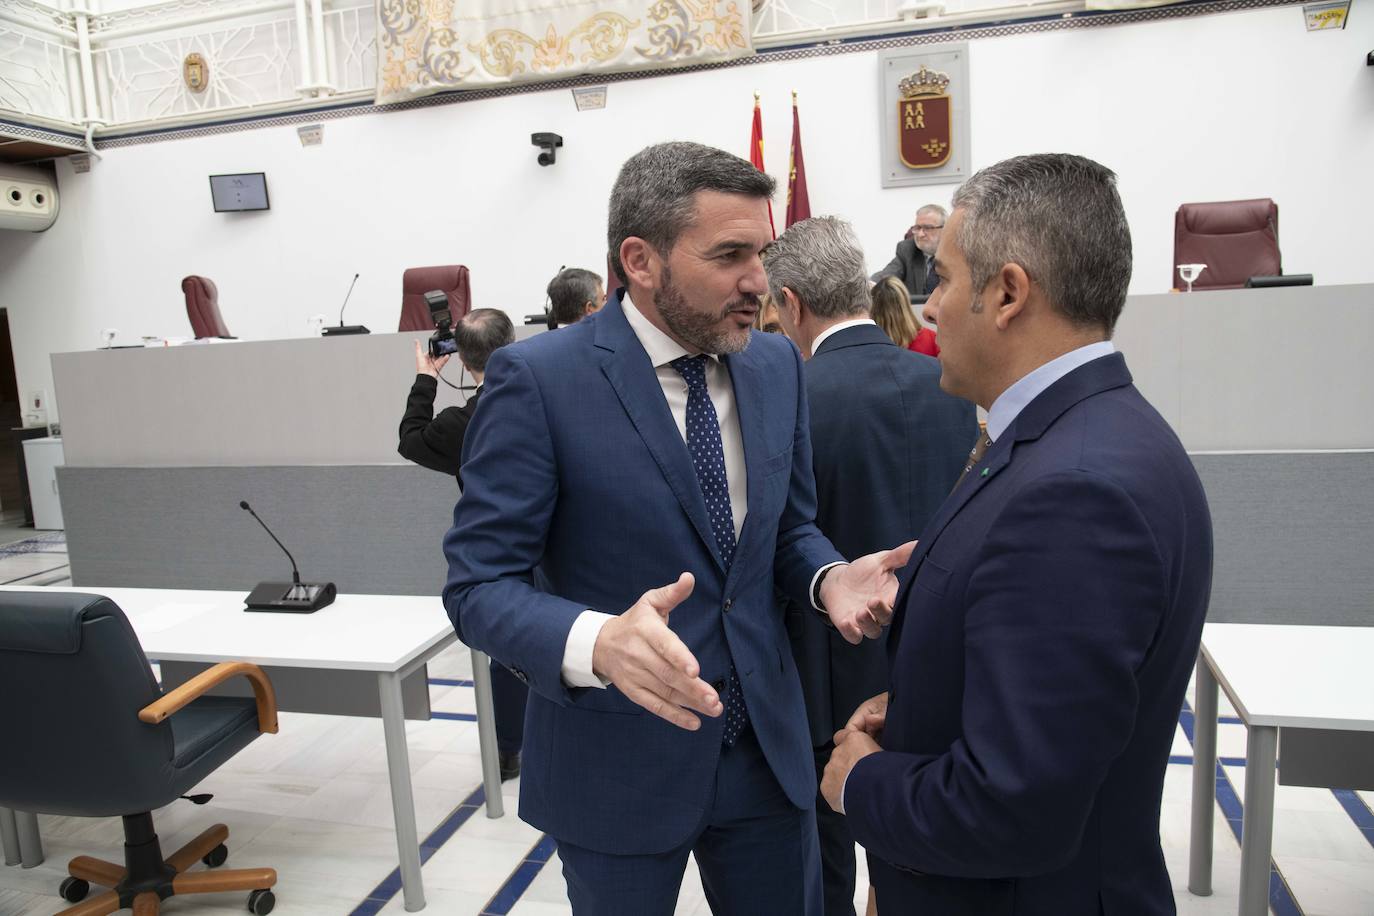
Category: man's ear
<point>1012,287</point>
<point>792,304</point>
<point>641,262</point>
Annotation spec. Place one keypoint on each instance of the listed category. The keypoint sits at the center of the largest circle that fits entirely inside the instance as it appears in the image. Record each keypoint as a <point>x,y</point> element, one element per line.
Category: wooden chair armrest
<point>266,698</point>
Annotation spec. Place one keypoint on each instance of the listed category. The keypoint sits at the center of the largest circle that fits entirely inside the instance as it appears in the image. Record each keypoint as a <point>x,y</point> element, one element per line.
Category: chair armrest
<point>266,698</point>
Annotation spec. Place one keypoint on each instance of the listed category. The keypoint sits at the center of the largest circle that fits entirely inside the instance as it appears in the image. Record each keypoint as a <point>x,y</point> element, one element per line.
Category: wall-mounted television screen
<point>232,193</point>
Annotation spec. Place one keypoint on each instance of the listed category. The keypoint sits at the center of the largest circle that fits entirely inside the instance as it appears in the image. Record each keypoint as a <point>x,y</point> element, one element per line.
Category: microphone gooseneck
<point>341,324</point>
<point>295,573</point>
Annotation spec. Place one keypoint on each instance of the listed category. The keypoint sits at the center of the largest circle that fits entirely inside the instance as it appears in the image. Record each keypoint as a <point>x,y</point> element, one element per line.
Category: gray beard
<point>696,328</point>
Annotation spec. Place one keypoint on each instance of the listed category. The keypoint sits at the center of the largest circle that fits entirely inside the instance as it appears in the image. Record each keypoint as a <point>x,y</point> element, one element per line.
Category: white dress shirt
<point>662,350</point>
<point>823,335</point>
<point>1011,402</point>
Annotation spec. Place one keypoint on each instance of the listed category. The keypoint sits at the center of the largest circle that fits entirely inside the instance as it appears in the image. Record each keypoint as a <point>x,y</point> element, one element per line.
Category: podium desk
<point>382,636</point>
<point>1309,689</point>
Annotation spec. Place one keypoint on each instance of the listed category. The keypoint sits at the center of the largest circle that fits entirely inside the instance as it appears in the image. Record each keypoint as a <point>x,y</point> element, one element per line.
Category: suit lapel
<point>745,378</point>
<point>1039,415</point>
<point>627,367</point>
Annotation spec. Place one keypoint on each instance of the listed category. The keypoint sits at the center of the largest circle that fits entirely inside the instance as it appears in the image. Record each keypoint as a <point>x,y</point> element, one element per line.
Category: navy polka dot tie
<point>708,457</point>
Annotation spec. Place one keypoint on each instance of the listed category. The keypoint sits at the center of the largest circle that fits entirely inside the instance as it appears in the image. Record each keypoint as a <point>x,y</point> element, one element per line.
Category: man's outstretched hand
<point>859,597</point>
<point>646,661</point>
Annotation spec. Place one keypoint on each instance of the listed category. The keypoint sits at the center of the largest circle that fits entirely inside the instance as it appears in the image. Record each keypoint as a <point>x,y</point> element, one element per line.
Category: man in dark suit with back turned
<point>887,446</point>
<point>913,260</point>
<point>1050,618</point>
<point>635,485</point>
<point>436,442</point>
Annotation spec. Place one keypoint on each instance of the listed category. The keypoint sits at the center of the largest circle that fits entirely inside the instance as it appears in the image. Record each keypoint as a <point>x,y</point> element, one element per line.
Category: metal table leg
<point>402,798</point>
<point>486,733</point>
<point>1257,828</point>
<point>30,842</point>
<point>9,837</point>
<point>1204,780</point>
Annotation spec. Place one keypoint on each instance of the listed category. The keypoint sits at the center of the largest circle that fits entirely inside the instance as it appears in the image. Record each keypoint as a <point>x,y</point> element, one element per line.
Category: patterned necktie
<point>708,458</point>
<point>975,456</point>
<point>932,278</point>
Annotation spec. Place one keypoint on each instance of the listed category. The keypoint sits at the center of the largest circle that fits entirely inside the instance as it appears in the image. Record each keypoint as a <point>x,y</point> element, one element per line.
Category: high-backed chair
<point>452,279</point>
<point>202,307</point>
<point>88,733</point>
<point>1236,239</point>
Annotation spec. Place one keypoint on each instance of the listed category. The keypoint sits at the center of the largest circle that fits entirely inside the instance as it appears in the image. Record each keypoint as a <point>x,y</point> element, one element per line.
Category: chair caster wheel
<point>74,890</point>
<point>261,902</point>
<point>217,856</point>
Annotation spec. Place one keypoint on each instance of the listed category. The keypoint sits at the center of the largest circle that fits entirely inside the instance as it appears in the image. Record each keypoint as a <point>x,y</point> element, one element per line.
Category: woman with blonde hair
<point>893,313</point>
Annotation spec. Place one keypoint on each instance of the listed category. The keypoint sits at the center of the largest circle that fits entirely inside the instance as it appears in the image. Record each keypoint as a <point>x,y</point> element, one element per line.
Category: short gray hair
<point>480,333</point>
<point>1060,218</point>
<point>569,293</point>
<point>820,259</point>
<point>654,197</point>
<point>933,208</point>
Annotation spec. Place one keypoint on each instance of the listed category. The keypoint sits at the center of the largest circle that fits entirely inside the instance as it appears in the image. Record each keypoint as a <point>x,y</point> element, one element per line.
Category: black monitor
<point>1285,280</point>
<point>236,193</point>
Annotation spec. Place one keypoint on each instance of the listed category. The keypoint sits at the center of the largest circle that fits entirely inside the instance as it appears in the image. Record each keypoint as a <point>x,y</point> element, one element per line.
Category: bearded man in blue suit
<point>635,486</point>
<point>1050,618</point>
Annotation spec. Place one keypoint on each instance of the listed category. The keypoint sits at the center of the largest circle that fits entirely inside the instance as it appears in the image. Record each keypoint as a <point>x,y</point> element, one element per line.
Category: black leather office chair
<point>89,733</point>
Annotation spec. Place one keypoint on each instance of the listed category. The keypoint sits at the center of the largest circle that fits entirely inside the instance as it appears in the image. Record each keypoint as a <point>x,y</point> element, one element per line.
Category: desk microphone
<point>292,597</point>
<point>334,332</point>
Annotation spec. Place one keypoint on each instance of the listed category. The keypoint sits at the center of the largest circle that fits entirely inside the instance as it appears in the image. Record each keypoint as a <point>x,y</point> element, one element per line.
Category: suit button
<point>729,603</point>
<point>718,685</point>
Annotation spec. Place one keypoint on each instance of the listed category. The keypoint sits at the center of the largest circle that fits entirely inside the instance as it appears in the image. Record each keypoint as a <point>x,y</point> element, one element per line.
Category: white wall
<point>1207,108</point>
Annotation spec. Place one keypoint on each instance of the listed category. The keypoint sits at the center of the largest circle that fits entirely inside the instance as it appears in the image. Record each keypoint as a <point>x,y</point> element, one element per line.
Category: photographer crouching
<point>436,442</point>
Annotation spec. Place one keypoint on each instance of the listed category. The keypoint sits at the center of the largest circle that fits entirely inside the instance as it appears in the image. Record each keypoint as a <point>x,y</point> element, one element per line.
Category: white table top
<point>356,632</point>
<point>1306,677</point>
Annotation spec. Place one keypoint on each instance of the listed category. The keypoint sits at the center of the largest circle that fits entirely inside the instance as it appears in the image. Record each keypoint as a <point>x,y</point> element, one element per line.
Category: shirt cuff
<point>816,584</point>
<point>845,788</point>
<point>577,652</point>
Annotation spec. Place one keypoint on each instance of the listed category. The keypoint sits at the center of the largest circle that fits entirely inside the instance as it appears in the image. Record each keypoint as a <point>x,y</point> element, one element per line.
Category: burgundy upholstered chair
<point>452,279</point>
<point>1236,239</point>
<point>202,307</point>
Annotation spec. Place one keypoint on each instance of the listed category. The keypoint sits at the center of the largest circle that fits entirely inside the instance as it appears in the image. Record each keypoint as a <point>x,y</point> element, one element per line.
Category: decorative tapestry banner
<point>428,46</point>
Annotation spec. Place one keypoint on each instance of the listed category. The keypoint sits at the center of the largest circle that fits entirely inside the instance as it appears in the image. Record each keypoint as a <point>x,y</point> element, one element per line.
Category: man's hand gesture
<point>641,656</point>
<point>859,597</point>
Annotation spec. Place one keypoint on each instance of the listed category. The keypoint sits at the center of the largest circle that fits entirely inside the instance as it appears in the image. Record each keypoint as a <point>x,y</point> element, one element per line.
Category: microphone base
<point>290,598</point>
<point>342,329</point>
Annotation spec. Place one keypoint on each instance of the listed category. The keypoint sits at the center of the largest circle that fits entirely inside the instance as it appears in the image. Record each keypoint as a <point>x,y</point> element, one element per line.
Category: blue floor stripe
<point>449,682</point>
<point>1281,899</point>
<point>391,885</point>
<point>1359,812</point>
<point>521,878</point>
<point>456,716</point>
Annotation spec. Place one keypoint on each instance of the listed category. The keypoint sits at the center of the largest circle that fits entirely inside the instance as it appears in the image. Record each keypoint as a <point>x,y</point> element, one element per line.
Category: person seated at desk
<point>913,262</point>
<point>436,442</point>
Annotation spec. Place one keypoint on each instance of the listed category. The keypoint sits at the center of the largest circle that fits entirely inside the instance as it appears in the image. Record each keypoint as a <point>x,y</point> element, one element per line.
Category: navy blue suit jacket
<point>580,493</point>
<point>1045,632</point>
<point>888,445</point>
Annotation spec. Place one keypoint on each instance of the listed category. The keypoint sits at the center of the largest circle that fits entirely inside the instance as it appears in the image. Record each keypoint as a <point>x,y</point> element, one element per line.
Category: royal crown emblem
<point>924,82</point>
<point>924,119</point>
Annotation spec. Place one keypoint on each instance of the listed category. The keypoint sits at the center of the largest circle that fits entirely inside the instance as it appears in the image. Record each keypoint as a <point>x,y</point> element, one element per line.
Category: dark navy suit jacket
<point>580,493</point>
<point>1046,628</point>
<point>888,445</point>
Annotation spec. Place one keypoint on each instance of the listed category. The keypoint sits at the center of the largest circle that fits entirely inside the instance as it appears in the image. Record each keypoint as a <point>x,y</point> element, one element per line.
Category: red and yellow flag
<point>798,201</point>
<point>756,154</point>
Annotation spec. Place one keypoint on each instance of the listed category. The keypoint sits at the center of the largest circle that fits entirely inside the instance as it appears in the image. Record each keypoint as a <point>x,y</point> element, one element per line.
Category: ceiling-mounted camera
<point>549,143</point>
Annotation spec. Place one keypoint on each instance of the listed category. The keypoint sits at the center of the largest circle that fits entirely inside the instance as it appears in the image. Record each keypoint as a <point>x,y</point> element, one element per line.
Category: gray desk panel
<point>313,400</point>
<point>1292,537</point>
<point>371,530</point>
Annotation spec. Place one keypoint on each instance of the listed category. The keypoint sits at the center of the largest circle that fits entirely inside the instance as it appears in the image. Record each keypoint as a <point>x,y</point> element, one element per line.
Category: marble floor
<point>313,803</point>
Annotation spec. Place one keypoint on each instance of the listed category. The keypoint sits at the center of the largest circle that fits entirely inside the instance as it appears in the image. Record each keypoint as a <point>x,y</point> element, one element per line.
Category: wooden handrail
<point>263,693</point>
